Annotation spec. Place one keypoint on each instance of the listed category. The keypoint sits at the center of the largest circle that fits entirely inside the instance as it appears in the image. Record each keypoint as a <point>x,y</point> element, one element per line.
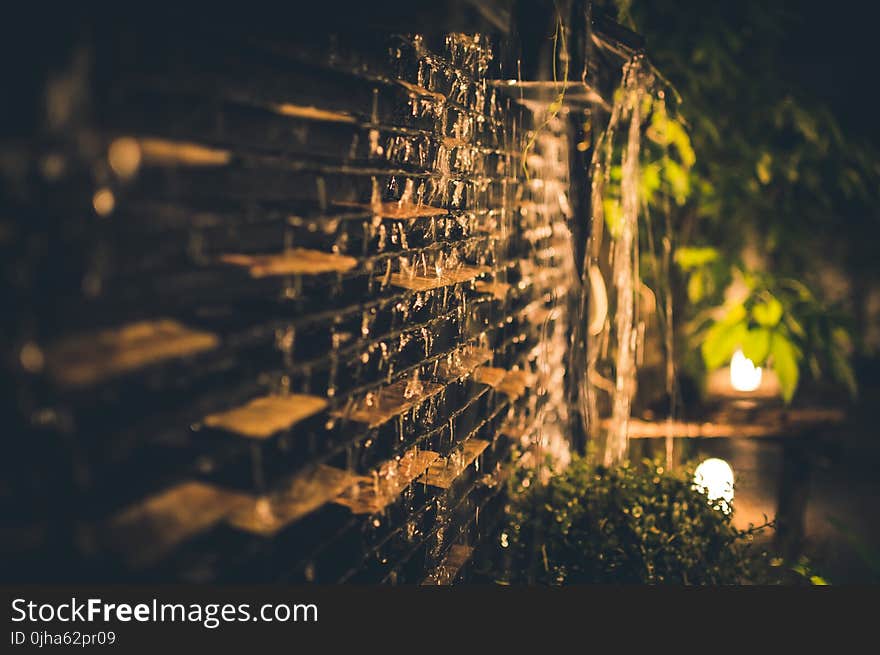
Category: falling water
<point>625,276</point>
<point>624,267</point>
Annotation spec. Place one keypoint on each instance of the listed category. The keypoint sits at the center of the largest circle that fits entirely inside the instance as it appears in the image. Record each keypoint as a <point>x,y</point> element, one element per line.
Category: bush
<point>628,524</point>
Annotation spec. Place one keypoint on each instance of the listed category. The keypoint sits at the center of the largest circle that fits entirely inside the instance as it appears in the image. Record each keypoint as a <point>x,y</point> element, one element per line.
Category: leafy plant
<point>766,165</point>
<point>666,159</point>
<point>628,524</point>
<point>779,323</point>
<point>773,155</point>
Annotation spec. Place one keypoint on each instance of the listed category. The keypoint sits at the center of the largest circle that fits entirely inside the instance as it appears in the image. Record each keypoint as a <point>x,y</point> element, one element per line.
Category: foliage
<point>666,159</point>
<point>772,155</point>
<point>778,323</point>
<point>629,524</point>
<point>753,158</point>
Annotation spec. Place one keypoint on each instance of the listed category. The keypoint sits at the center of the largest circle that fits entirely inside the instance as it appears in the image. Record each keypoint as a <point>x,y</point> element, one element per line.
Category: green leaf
<point>785,363</point>
<point>838,355</point>
<point>768,313</point>
<point>803,291</point>
<point>756,345</point>
<point>722,340</point>
<point>794,325</point>
<point>840,339</point>
<point>682,142</point>
<point>762,168</point>
<point>736,312</point>
<point>695,287</point>
<point>657,131</point>
<point>691,258</point>
<point>815,369</point>
<point>613,216</point>
<point>650,181</point>
<point>844,374</point>
<point>679,181</point>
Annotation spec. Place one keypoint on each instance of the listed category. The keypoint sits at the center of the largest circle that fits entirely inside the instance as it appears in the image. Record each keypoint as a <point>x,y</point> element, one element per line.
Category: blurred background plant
<point>776,321</point>
<point>770,183</point>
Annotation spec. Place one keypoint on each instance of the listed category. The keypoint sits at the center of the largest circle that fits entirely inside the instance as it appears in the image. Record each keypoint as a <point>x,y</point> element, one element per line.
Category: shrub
<point>627,524</point>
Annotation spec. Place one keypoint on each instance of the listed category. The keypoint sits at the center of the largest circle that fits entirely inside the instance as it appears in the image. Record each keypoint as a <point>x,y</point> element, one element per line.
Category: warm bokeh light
<point>104,202</point>
<point>124,156</point>
<point>744,375</point>
<point>716,477</point>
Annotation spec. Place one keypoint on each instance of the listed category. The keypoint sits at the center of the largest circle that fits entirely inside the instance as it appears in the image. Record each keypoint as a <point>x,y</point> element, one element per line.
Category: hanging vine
<point>560,52</point>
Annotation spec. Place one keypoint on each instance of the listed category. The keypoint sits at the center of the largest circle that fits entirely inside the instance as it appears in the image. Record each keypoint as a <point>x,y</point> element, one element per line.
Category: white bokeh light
<point>715,477</point>
<point>744,375</point>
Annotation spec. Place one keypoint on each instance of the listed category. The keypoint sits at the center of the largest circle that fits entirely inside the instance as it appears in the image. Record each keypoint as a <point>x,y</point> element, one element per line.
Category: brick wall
<point>278,309</point>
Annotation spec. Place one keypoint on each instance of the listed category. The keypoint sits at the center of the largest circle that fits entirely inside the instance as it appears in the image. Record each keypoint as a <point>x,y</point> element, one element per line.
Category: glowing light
<point>103,202</point>
<point>715,477</point>
<point>124,156</point>
<point>32,357</point>
<point>744,375</point>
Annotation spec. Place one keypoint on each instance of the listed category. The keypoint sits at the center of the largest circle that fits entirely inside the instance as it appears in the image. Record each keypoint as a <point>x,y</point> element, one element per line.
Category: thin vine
<point>556,106</point>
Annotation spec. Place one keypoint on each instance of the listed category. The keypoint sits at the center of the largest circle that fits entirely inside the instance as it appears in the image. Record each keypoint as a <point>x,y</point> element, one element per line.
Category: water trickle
<point>402,233</point>
<point>458,190</point>
<point>427,339</point>
<point>285,339</point>
<point>618,338</point>
<point>376,201</point>
<point>386,278</point>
